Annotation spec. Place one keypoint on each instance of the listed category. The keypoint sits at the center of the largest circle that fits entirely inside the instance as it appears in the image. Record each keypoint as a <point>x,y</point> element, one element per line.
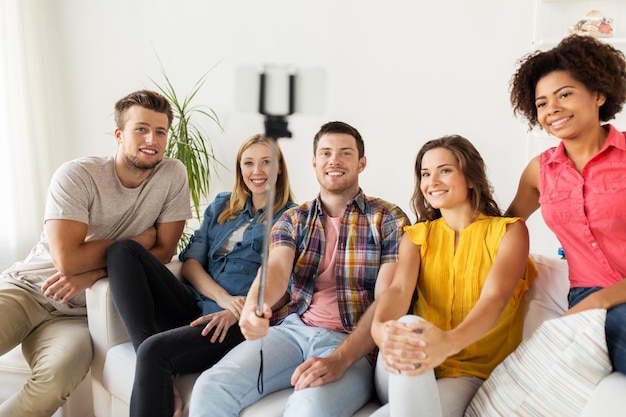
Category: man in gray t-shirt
<point>92,202</point>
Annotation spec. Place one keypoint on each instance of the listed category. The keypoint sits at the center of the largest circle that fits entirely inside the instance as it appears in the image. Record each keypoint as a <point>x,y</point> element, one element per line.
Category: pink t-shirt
<point>324,309</point>
<point>587,210</point>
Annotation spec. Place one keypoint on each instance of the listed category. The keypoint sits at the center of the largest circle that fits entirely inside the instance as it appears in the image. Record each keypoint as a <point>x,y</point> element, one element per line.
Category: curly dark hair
<point>473,167</point>
<point>596,64</point>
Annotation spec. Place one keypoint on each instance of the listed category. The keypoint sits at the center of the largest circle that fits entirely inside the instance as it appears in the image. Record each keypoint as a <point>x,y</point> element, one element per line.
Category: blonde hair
<point>241,193</point>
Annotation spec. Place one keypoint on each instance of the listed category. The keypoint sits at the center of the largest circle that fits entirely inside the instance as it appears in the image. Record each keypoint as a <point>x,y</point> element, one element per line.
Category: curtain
<point>22,188</point>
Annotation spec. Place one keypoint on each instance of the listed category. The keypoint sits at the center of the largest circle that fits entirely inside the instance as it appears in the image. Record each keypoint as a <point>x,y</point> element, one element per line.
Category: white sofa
<point>14,371</point>
<point>113,367</point>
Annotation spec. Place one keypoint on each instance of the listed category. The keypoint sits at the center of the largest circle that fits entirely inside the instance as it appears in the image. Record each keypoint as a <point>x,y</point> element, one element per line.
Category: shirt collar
<point>359,200</point>
<point>248,207</point>
<point>615,139</point>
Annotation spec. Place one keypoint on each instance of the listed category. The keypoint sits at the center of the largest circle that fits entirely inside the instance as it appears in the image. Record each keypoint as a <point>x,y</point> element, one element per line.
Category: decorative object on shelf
<point>593,24</point>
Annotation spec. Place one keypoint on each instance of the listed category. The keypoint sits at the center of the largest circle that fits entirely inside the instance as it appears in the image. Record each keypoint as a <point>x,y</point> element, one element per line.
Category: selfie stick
<point>277,85</point>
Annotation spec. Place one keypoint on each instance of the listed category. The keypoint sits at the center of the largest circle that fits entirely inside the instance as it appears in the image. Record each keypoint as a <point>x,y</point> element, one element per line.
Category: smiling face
<point>142,140</point>
<point>441,180</point>
<point>337,164</point>
<point>255,168</point>
<point>565,107</point>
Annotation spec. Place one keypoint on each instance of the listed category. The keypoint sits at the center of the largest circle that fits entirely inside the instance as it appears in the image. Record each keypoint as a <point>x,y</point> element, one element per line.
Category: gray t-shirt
<point>89,191</point>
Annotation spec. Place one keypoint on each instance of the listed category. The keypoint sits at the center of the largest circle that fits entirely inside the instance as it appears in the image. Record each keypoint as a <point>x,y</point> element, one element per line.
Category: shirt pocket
<point>556,207</point>
<point>608,199</point>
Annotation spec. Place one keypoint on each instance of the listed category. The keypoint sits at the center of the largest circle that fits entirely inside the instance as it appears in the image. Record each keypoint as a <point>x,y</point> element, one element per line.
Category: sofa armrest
<point>105,326</point>
<point>107,331</point>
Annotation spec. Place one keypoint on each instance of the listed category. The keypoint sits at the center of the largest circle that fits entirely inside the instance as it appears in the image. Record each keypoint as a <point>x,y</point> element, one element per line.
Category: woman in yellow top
<point>462,273</point>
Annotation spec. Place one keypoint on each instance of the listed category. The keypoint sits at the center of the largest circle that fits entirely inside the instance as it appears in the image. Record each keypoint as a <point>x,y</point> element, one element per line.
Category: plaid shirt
<point>369,236</point>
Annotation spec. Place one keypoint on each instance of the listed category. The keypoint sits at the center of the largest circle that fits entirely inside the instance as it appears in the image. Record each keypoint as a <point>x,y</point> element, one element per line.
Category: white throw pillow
<point>547,296</point>
<point>553,373</point>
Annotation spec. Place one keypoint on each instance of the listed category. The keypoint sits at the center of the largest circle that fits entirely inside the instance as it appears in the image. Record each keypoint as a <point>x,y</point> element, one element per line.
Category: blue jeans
<point>231,384</point>
<point>615,327</point>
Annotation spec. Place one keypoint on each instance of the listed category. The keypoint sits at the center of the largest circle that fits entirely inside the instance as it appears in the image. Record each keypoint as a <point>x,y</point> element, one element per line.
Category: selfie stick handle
<point>275,127</point>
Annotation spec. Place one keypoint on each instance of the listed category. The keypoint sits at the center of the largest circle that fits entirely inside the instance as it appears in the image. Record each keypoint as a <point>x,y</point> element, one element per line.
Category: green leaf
<point>189,142</point>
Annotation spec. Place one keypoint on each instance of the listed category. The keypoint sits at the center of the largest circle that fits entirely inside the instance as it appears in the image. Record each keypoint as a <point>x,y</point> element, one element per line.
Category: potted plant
<point>189,142</point>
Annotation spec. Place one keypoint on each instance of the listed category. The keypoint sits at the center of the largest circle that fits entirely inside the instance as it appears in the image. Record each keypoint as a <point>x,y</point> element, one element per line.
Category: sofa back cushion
<point>547,296</point>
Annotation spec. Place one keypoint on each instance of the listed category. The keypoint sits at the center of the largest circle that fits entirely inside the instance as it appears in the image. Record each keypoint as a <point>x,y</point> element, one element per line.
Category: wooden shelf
<point>544,45</point>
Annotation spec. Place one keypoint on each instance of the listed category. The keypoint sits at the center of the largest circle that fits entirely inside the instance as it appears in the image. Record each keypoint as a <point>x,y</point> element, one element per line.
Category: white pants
<point>422,395</point>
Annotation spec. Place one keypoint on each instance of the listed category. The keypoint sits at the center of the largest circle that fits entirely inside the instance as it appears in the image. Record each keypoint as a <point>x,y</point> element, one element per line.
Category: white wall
<point>402,72</point>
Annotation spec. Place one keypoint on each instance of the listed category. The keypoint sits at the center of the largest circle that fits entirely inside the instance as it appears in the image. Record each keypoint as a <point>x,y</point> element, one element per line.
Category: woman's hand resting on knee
<point>414,348</point>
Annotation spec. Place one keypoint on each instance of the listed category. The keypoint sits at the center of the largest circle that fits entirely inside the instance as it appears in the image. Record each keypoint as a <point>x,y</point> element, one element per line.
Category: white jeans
<point>422,395</point>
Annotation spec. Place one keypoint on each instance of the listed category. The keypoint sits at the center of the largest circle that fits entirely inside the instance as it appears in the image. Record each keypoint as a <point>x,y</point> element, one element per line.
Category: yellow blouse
<point>450,283</point>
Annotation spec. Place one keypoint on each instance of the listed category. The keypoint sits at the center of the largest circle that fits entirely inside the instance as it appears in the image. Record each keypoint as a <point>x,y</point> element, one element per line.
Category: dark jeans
<point>615,327</point>
<point>178,351</point>
<point>148,297</point>
<point>156,310</point>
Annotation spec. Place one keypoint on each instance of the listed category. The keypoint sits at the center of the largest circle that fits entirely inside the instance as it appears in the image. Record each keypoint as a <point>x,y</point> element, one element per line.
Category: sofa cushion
<point>606,397</point>
<point>547,296</point>
<point>273,405</point>
<point>553,373</point>
<point>120,360</point>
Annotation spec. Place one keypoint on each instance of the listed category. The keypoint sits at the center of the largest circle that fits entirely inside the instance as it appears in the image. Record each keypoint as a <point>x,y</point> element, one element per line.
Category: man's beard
<point>136,164</point>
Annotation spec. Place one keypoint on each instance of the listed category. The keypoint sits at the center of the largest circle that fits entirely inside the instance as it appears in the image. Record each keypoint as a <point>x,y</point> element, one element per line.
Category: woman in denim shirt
<point>219,264</point>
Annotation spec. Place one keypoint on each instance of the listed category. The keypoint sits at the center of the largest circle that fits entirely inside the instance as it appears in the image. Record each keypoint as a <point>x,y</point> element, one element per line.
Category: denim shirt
<point>235,271</point>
